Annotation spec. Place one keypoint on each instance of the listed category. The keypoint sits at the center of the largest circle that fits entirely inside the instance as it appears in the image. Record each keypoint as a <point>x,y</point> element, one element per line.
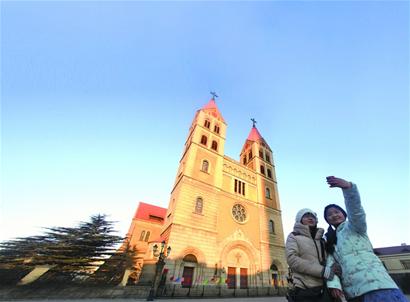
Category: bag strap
<point>322,247</point>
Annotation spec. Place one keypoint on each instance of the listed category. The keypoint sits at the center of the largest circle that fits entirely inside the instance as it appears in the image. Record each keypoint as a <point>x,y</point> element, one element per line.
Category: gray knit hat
<point>302,212</point>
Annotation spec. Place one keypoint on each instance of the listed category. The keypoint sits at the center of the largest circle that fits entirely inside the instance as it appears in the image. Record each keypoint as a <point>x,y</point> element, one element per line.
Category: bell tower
<point>194,201</point>
<point>205,145</point>
<point>257,155</point>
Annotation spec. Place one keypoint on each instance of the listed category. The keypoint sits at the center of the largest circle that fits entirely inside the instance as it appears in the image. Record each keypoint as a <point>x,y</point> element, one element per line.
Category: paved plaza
<point>233,299</point>
<point>237,299</point>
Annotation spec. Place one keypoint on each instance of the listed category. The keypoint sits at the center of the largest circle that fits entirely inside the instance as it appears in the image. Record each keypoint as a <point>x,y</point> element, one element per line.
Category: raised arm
<point>335,182</point>
<point>354,209</point>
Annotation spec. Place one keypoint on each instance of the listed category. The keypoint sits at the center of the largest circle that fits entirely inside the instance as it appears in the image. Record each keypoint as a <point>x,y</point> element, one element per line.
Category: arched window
<point>142,236</point>
<point>260,153</point>
<point>204,140</point>
<point>271,226</point>
<point>244,159</point>
<point>207,124</point>
<point>216,129</point>
<point>250,154</point>
<point>269,173</point>
<point>267,157</point>
<point>199,204</point>
<point>205,165</point>
<point>147,236</point>
<point>214,145</point>
<point>263,170</point>
<point>267,193</point>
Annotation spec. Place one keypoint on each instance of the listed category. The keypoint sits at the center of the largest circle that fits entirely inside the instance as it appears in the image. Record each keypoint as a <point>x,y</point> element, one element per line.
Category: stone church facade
<point>223,222</point>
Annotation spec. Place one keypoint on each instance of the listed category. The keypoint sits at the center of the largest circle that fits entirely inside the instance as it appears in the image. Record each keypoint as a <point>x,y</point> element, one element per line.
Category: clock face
<point>239,213</point>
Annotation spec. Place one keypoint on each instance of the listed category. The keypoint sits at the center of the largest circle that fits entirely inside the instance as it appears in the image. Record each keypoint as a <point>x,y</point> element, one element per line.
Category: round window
<point>239,213</point>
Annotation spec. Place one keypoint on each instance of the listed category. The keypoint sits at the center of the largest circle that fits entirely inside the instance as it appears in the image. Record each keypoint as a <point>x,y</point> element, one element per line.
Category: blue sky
<point>97,99</point>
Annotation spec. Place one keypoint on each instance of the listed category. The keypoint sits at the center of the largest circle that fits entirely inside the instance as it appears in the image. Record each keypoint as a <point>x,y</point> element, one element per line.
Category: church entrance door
<point>244,278</point>
<point>187,275</point>
<point>274,272</point>
<point>231,277</point>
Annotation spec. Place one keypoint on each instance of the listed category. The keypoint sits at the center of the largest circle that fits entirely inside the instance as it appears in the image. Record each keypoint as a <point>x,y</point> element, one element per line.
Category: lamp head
<point>155,248</point>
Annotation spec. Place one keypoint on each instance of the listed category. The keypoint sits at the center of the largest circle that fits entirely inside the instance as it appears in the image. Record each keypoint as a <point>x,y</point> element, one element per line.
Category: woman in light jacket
<point>364,278</point>
<point>306,258</point>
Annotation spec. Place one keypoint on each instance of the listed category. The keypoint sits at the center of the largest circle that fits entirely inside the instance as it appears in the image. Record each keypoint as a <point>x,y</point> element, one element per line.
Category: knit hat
<point>302,212</point>
<point>334,206</point>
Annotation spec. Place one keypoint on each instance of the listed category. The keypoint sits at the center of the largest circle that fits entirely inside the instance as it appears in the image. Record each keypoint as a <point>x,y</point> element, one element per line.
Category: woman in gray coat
<point>306,258</point>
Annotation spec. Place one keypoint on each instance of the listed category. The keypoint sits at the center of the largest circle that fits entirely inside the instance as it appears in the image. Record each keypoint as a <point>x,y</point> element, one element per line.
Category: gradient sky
<point>97,99</point>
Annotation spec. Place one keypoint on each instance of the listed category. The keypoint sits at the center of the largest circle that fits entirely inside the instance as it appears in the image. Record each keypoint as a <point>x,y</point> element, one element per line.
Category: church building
<point>223,222</point>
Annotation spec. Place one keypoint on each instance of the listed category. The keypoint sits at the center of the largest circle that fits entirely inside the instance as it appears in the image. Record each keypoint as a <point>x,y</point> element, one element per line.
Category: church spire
<point>254,134</point>
<point>254,139</point>
<point>212,108</point>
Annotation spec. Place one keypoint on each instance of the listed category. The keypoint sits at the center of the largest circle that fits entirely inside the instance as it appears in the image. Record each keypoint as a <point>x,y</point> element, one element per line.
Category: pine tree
<point>71,251</point>
<point>112,271</point>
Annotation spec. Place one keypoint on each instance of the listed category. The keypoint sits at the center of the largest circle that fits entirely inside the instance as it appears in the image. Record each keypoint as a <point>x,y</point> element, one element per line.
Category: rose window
<point>239,213</point>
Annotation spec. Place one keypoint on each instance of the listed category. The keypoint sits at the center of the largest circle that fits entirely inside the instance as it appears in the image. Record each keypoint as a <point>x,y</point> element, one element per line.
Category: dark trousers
<point>314,299</point>
<point>356,299</point>
<point>325,297</point>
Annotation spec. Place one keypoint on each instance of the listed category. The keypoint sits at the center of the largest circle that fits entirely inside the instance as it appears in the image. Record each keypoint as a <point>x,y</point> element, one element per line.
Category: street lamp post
<point>159,265</point>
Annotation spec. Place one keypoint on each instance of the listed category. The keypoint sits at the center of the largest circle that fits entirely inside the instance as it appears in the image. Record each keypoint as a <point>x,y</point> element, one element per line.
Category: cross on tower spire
<point>214,95</point>
<point>254,122</point>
